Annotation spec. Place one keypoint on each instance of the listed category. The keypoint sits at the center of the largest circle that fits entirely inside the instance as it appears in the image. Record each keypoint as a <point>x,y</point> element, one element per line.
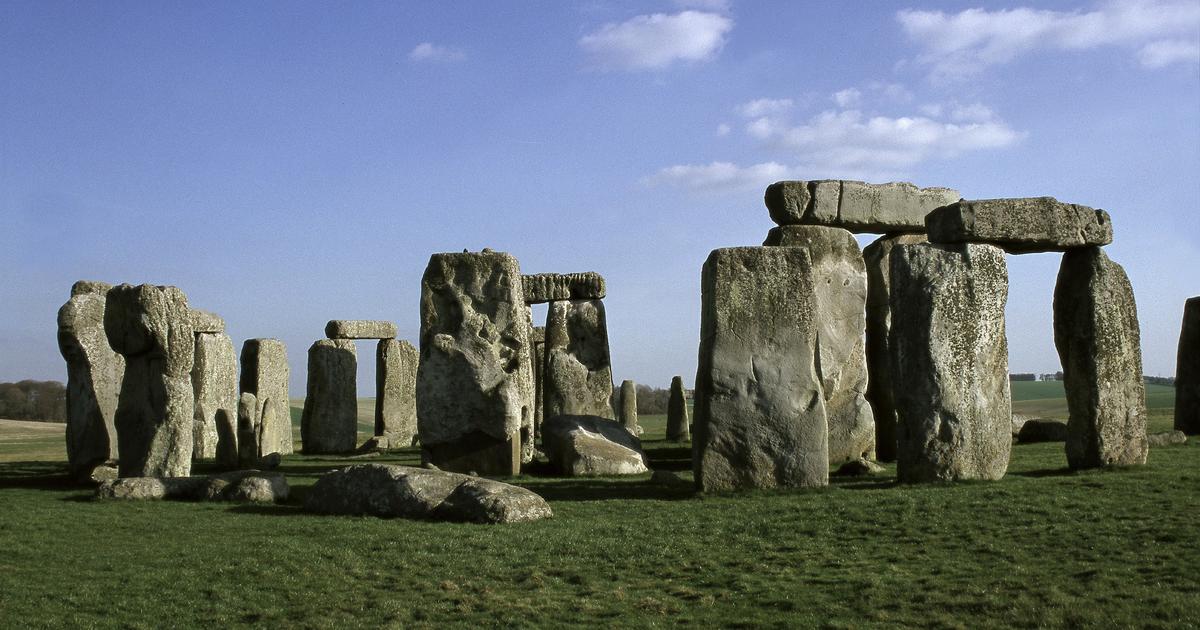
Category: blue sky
<point>289,163</point>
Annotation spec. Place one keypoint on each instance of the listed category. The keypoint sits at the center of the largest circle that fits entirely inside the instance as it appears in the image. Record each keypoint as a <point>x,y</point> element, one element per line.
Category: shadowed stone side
<point>396,391</point>
<point>950,362</point>
<point>557,287</point>
<point>1098,340</point>
<point>629,413</point>
<point>537,349</point>
<point>855,206</point>
<point>215,384</point>
<point>329,423</point>
<point>360,329</point>
<point>94,374</point>
<point>578,378</point>
<point>247,430</point>
<point>1020,225</point>
<point>265,374</point>
<point>1187,371</point>
<point>760,415</point>
<point>678,425</point>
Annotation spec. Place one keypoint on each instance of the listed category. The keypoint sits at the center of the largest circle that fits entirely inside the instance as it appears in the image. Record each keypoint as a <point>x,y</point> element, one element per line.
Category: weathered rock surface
<point>396,392</point>
<point>1099,345</point>
<point>855,206</point>
<point>590,446</point>
<point>556,287</point>
<point>1018,421</point>
<point>1166,438</point>
<point>629,413</point>
<point>265,374</point>
<point>419,493</point>
<point>360,329</point>
<point>151,326</point>
<point>760,414</point>
<point>214,385</point>
<point>537,353</point>
<point>94,374</point>
<point>207,322</point>
<point>861,467</point>
<point>1187,371</point>
<point>950,362</point>
<point>247,430</point>
<point>1020,225</point>
<point>840,290</point>
<point>578,377</point>
<point>474,382</point>
<point>678,423</point>
<point>329,423</point>
<point>1038,430</point>
<point>245,486</point>
<point>670,478</point>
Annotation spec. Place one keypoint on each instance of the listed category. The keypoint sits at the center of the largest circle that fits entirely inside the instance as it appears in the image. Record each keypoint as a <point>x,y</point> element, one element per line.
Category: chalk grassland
<point>1043,547</point>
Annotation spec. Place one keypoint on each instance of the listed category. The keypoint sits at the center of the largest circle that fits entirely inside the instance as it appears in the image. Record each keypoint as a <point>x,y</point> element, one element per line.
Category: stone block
<point>1020,225</point>
<point>265,374</point>
<point>360,329</point>
<point>396,392</point>
<point>215,386</point>
<point>329,423</point>
<point>855,206</point>
<point>552,287</point>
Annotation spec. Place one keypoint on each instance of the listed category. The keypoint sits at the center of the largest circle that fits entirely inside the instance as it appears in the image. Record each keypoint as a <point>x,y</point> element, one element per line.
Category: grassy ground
<point>1043,547</point>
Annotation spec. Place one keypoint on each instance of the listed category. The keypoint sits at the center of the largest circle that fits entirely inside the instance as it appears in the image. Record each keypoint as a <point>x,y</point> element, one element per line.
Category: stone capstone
<point>578,375</point>
<point>678,424</point>
<point>265,374</point>
<point>329,423</point>
<point>1187,370</point>
<point>1021,225</point>
<point>855,206</point>
<point>207,322</point>
<point>556,287</point>
<point>246,486</point>
<point>214,385</point>
<point>629,413</point>
<point>591,446</point>
<point>360,329</point>
<point>1037,430</point>
<point>396,392</point>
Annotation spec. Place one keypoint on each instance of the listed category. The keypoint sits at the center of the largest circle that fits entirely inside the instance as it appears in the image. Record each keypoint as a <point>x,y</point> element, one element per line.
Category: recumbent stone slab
<point>578,375</point>
<point>1020,225</point>
<point>215,387</point>
<point>265,374</point>
<point>207,322</point>
<point>248,486</point>
<point>329,423</point>
<point>360,329</point>
<point>1187,371</point>
<point>855,206</point>
<point>554,287</point>
<point>396,392</point>
<point>590,446</point>
<point>678,424</point>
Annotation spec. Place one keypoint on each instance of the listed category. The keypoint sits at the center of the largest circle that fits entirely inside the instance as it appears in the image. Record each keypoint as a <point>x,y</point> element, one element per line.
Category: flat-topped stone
<point>360,329</point>
<point>554,287</point>
<point>90,287</point>
<point>855,206</point>
<point>1020,225</point>
<point>207,322</point>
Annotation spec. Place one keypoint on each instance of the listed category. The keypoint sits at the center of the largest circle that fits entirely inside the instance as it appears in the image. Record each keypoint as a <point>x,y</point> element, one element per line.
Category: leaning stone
<point>1021,225</point>
<point>329,423</point>
<point>265,374</point>
<point>556,287</point>
<point>1099,344</point>
<point>206,322</point>
<point>950,362</point>
<point>629,414</point>
<point>1166,438</point>
<point>678,424</point>
<point>861,467</point>
<point>94,374</point>
<point>1042,431</point>
<point>360,329</point>
<point>855,206</point>
<point>1187,371</point>
<point>214,385</point>
<point>578,378</point>
<point>250,486</point>
<point>396,392</point>
<point>760,414</point>
<point>590,446</point>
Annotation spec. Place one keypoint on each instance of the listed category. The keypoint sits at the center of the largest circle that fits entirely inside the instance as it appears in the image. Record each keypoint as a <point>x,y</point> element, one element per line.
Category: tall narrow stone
<point>474,381</point>
<point>629,414</point>
<point>578,379</point>
<point>247,430</point>
<point>214,384</point>
<point>950,362</point>
<point>265,374</point>
<point>760,413</point>
<point>1187,371</point>
<point>396,392</point>
<point>151,326</point>
<point>94,373</point>
<point>1098,340</point>
<point>537,347</point>
<point>678,426</point>
<point>329,423</point>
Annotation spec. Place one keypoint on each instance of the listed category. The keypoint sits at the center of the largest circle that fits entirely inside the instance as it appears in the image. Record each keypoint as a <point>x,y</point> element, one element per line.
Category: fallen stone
<point>1099,345</point>
<point>578,377</point>
<point>250,486</point>
<point>329,423</point>
<point>1018,421</point>
<point>214,387</point>
<point>669,478</point>
<point>396,392</point>
<point>855,206</point>
<point>1021,225</point>
<point>360,329</point>
<point>265,374</point>
<point>861,467</point>
<point>678,424</point>
<point>103,472</point>
<point>207,322</point>
<point>1166,438</point>
<point>591,446</point>
<point>629,414</point>
<point>1042,431</point>
<point>556,287</point>
<point>1187,370</point>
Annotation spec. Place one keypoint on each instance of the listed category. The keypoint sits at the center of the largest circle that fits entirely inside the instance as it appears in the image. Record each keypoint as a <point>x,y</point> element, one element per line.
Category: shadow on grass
<point>609,490</point>
<point>275,509</point>
<point>1045,472</point>
<point>37,476</point>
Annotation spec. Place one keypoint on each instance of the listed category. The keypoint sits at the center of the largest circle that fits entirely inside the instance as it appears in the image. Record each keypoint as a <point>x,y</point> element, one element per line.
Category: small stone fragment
<point>1020,225</point>
<point>678,424</point>
<point>557,287</point>
<point>329,423</point>
<point>360,329</point>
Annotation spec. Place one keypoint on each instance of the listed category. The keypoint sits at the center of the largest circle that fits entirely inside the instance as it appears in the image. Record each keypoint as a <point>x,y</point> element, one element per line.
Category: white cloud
<point>427,51</point>
<point>654,42</point>
<point>722,6</point>
<point>719,176</point>
<point>723,130</point>
<point>960,44</point>
<point>848,97</point>
<point>1169,51</point>
<point>765,106</point>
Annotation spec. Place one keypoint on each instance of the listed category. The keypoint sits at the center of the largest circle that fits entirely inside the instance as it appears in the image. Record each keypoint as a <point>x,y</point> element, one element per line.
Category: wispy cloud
<point>656,41</point>
<point>719,176</point>
<point>1169,51</point>
<point>427,51</point>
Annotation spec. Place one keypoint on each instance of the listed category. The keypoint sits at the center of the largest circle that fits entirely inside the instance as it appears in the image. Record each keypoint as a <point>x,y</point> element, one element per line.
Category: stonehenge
<point>1187,370</point>
<point>629,412</point>
<point>329,423</point>
<point>360,329</point>
<point>1022,225</point>
<point>591,446</point>
<point>396,392</point>
<point>577,379</point>
<point>265,374</point>
<point>678,424</point>
<point>558,287</point>
<point>855,206</point>
<point>215,389</point>
<point>94,375</point>
<point>537,350</point>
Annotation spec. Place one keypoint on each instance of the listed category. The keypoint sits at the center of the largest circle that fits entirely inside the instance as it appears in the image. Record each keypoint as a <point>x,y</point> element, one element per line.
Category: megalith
<point>578,376</point>
<point>247,431</point>
<point>629,413</point>
<point>329,423</point>
<point>151,326</point>
<point>396,392</point>
<point>1020,225</point>
<point>265,374</point>
<point>950,362</point>
<point>94,374</point>
<point>557,287</point>
<point>678,425</point>
<point>855,206</point>
<point>537,353</point>
<point>215,389</point>
<point>1098,340</point>
<point>474,379</point>
<point>360,329</point>
<point>760,413</point>
<point>1187,371</point>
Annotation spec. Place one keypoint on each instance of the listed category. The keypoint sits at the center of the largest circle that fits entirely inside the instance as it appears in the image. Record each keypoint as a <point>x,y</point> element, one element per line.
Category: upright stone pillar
<point>151,326</point>
<point>578,379</point>
<point>678,425</point>
<point>94,373</point>
<point>396,392</point>
<point>950,362</point>
<point>214,385</point>
<point>329,423</point>
<point>265,374</point>
<point>760,413</point>
<point>629,413</point>
<point>1098,340</point>
<point>1187,371</point>
<point>537,346</point>
<point>247,430</point>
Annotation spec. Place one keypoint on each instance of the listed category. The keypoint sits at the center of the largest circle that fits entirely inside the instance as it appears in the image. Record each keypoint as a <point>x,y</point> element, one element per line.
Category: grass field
<point>1043,547</point>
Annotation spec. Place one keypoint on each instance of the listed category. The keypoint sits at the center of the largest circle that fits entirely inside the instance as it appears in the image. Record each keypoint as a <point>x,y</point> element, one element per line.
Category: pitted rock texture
<point>629,413</point>
<point>360,329</point>
<point>246,486</point>
<point>555,287</point>
<point>760,415</point>
<point>207,322</point>
<point>590,446</point>
<point>537,353</point>
<point>1166,438</point>
<point>214,384</point>
<point>265,374</point>
<point>678,423</point>
<point>950,362</point>
<point>329,423</point>
<point>1187,371</point>
<point>578,376</point>
<point>247,430</point>
<point>396,392</point>
<point>855,206</point>
<point>94,374</point>
<point>1099,344</point>
<point>1020,225</point>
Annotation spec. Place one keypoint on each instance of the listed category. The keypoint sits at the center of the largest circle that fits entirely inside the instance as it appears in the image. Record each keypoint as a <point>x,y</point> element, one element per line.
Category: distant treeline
<point>44,401</point>
<point>651,400</point>
<point>1169,381</point>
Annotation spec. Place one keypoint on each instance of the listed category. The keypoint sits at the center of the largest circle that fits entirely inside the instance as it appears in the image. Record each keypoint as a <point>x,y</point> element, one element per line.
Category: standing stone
<point>537,348</point>
<point>94,373</point>
<point>760,413</point>
<point>247,430</point>
<point>1098,340</point>
<point>878,259</point>
<point>1187,371</point>
<point>265,374</point>
<point>678,425</point>
<point>329,423</point>
<point>152,327</point>
<point>214,384</point>
<point>950,362</point>
<point>474,380</point>
<point>396,392</point>
<point>629,415</point>
<point>578,379</point>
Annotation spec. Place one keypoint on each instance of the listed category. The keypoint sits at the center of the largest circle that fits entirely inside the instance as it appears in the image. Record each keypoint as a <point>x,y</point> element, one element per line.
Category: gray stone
<point>537,348</point>
<point>878,259</point>
<point>950,362</point>
<point>855,206</point>
<point>678,424</point>
<point>1166,438</point>
<point>840,286</point>
<point>629,413</point>
<point>670,478</point>
<point>578,377</point>
<point>247,430</point>
<point>249,486</point>
<point>590,446</point>
<point>1020,225</point>
<point>207,322</point>
<point>420,493</point>
<point>1018,421</point>
<point>329,423</point>
<point>861,467</point>
<point>151,326</point>
<point>214,384</point>
<point>227,432</point>
<point>265,374</point>
<point>1038,430</point>
<point>1187,371</point>
<point>94,374</point>
<point>760,414</point>
<point>396,392</point>
<point>360,329</point>
<point>556,287</point>
<point>1098,340</point>
<point>474,381</point>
